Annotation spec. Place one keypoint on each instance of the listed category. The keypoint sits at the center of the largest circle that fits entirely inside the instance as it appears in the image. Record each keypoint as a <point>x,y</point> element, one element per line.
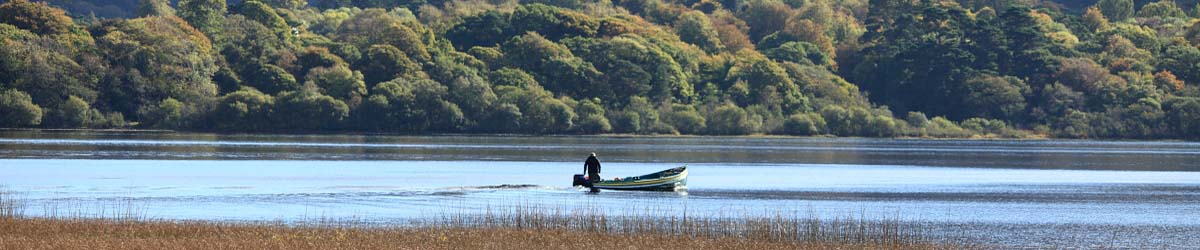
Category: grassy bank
<point>514,227</point>
<point>25,233</point>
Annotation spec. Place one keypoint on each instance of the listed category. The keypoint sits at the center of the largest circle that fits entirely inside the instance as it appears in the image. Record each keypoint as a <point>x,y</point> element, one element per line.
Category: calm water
<point>1016,193</point>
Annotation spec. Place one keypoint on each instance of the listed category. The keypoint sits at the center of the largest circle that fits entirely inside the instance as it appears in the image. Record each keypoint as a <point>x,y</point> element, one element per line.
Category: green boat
<point>666,180</point>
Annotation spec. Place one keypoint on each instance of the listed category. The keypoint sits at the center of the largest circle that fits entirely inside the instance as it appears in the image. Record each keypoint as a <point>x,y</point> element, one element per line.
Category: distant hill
<point>1011,68</point>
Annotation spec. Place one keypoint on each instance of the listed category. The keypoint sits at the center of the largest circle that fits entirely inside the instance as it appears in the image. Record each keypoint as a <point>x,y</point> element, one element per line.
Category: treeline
<point>847,68</point>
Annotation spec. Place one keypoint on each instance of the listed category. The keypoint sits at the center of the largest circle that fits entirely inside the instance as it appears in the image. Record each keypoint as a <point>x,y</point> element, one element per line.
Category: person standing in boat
<point>592,166</point>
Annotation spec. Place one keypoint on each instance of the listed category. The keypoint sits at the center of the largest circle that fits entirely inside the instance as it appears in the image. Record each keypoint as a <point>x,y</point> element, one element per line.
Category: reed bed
<point>508,227</point>
<point>768,226</point>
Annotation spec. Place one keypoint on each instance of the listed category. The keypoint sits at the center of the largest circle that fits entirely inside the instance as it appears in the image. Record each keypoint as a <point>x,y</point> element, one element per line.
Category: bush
<point>916,119</point>
<point>17,109</point>
<point>594,124</point>
<point>804,124</point>
<point>988,126</point>
<point>942,127</point>
<point>731,120</point>
<point>686,119</point>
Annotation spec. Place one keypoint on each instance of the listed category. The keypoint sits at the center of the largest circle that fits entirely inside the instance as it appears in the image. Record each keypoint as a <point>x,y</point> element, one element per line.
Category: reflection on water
<point>1037,154</point>
<point>997,192</point>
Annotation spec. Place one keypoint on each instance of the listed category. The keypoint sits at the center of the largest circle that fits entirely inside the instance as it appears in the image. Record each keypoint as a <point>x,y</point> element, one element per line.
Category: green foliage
<point>308,110</point>
<point>257,11</point>
<point>169,113</point>
<point>414,106</point>
<point>1116,10</point>
<point>74,113</point>
<point>686,119</point>
<point>386,62</point>
<point>695,28</point>
<point>155,58</point>
<point>798,52</point>
<point>731,120</point>
<point>1161,9</point>
<point>994,97</point>
<point>804,124</point>
<point>35,16</point>
<point>1183,61</point>
<point>916,119</point>
<point>18,109</point>
<point>147,8</point>
<point>554,22</point>
<point>645,67</point>
<point>338,82</point>
<point>244,110</point>
<point>486,29</point>
<point>554,66</point>
<point>634,67</point>
<point>376,26</point>
<point>1183,115</point>
<point>271,79</point>
<point>205,15</point>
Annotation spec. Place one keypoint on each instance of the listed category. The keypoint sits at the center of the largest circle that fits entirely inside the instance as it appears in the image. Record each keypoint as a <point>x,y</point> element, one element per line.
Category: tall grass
<point>124,226</point>
<point>777,226</point>
<point>10,206</point>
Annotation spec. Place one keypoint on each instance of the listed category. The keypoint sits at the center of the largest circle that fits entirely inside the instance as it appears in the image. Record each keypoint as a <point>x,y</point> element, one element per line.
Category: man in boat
<point>592,166</point>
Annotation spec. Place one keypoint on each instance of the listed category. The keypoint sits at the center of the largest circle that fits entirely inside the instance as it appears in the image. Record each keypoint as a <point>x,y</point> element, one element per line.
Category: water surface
<point>1016,193</point>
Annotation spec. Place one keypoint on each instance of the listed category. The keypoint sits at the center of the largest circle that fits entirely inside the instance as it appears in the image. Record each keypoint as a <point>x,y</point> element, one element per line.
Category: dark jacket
<point>592,165</point>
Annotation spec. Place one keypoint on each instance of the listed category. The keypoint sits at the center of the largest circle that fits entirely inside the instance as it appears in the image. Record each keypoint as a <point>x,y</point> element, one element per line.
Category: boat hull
<point>668,180</point>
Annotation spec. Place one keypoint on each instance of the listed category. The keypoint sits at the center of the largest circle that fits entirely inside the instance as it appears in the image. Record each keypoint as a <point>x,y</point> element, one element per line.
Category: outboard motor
<point>578,180</point>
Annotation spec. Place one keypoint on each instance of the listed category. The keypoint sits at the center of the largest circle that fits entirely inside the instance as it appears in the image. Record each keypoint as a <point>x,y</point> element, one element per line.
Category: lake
<point>1011,193</point>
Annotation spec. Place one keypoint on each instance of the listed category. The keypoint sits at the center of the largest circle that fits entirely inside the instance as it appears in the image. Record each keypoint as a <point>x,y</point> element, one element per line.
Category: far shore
<point>1031,136</point>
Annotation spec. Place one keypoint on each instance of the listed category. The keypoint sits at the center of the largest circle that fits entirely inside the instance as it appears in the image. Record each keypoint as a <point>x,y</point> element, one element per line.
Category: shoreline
<point>1032,137</point>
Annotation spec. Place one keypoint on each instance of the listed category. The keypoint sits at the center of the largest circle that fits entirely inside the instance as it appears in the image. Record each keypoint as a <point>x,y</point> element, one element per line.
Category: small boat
<point>666,180</point>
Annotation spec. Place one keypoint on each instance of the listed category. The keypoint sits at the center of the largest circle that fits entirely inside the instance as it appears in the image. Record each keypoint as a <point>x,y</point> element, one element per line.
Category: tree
<point>74,113</point>
<point>1094,19</point>
<point>153,58</point>
<point>206,15</point>
<point>1161,9</point>
<point>263,14</point>
<point>271,79</point>
<point>414,106</point>
<point>804,124</point>
<point>18,110</point>
<point>485,29</point>
<point>686,119</point>
<point>43,69</point>
<point>994,97</point>
<point>554,66</point>
<point>592,117</point>
<point>695,28</point>
<point>35,16</point>
<point>309,110</point>
<point>147,8</point>
<point>732,120</point>
<point>1116,10</point>
<point>765,17</point>
<point>386,62</point>
<point>1183,60</point>
<point>376,26</point>
<point>798,52</point>
<point>338,82</point>
<point>554,22</point>
<point>244,110</point>
<point>633,66</point>
<point>169,113</point>
<point>1183,115</point>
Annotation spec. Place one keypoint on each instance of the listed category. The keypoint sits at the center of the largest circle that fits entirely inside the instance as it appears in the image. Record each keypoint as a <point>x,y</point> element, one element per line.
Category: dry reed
<point>515,227</point>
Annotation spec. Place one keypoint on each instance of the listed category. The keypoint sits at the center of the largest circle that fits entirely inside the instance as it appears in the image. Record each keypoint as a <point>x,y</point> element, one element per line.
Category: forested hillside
<point>1007,68</point>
